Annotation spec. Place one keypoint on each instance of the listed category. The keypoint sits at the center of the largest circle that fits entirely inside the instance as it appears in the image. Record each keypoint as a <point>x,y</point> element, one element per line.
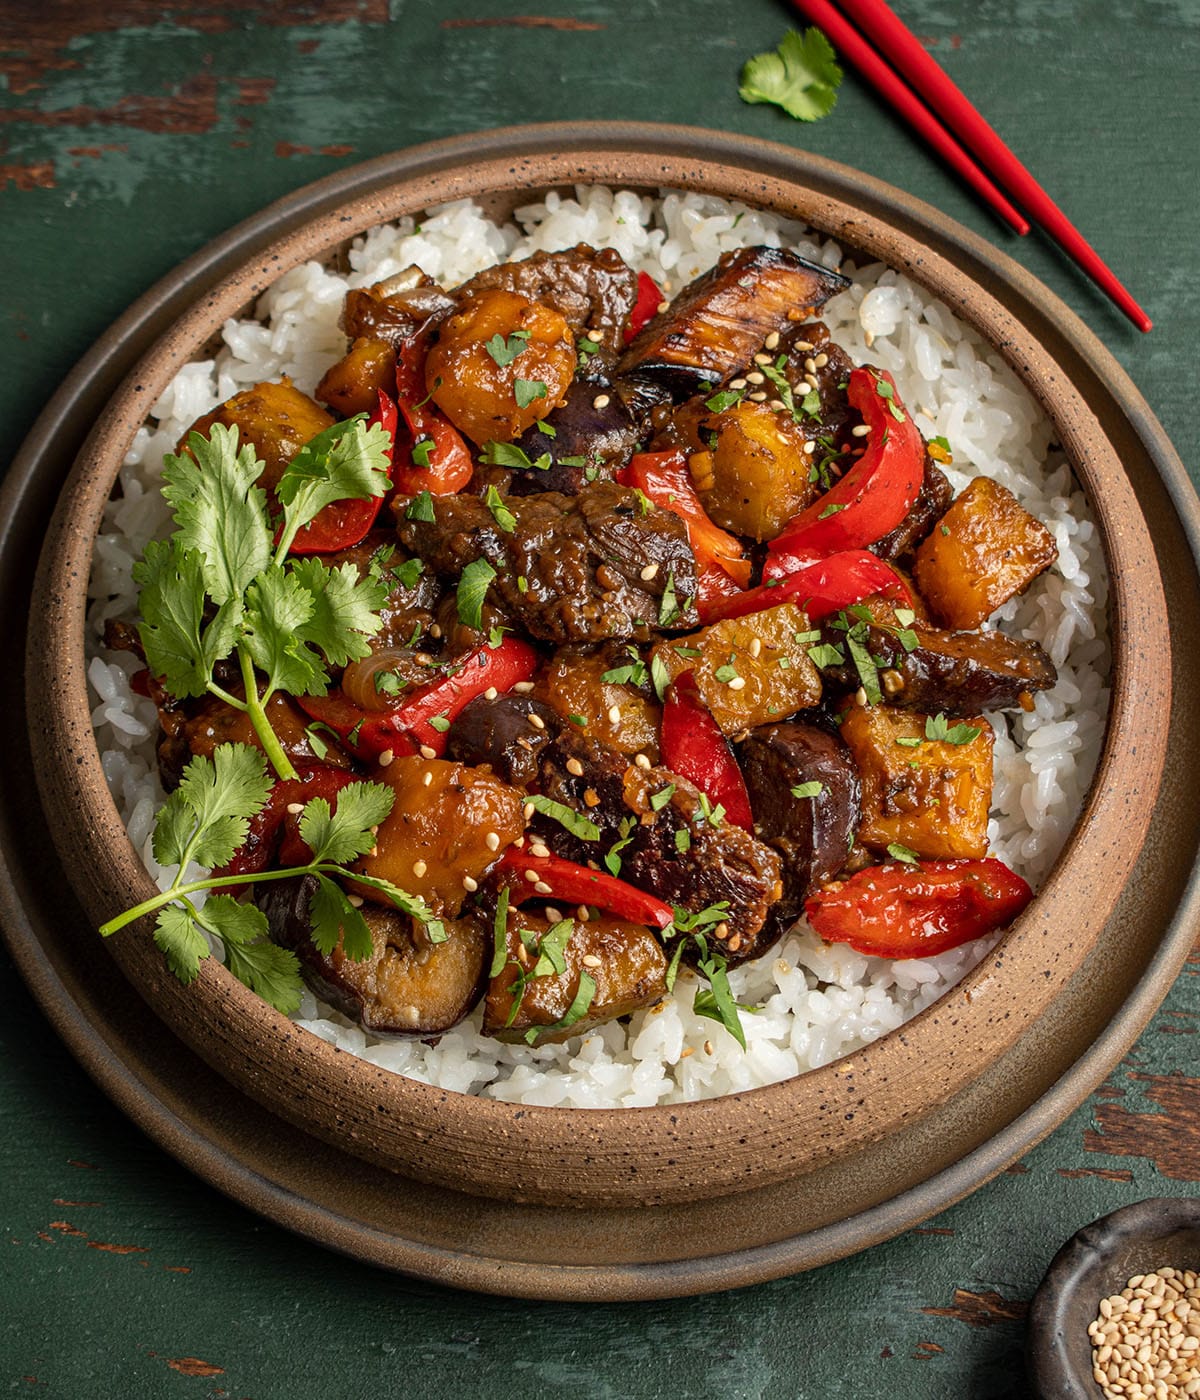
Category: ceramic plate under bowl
<point>877,1136</point>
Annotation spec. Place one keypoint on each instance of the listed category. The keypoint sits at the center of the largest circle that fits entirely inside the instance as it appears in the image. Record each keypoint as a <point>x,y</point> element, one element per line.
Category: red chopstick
<point>892,37</point>
<point>850,43</point>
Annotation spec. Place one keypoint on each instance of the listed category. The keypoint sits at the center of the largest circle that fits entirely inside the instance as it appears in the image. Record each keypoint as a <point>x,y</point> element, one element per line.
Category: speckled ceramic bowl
<point>799,1155</point>
<point>1095,1263</point>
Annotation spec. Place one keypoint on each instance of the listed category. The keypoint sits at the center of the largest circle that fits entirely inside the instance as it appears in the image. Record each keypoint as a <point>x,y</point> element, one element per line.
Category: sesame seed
<point>812,381</point>
<point>386,757</point>
<point>755,647</point>
<point>776,405</point>
<point>737,383</point>
<point>533,877</point>
<point>737,683</point>
<point>868,339</point>
<point>419,868</point>
<point>295,808</point>
<point>537,849</point>
<point>810,366</point>
<point>772,341</point>
<point>662,306</point>
<point>528,810</point>
<point>804,345</point>
<point>554,915</point>
<point>760,397</point>
<point>708,1047</point>
<point>590,960</point>
<point>810,447</point>
<point>755,377</point>
<point>490,693</point>
<point>427,777</point>
<point>859,430</point>
<point>641,760</point>
<point>734,943</point>
<point>575,767</point>
<point>721,931</point>
<point>542,888</point>
<point>614,714</point>
<point>649,572</point>
<point>601,401</point>
<point>492,840</point>
<point>435,630</point>
<point>761,359</point>
<point>523,687</point>
<point>860,696</point>
<point>537,721</point>
<point>426,752</point>
<point>821,361</point>
<point>583,914</point>
<point>355,900</point>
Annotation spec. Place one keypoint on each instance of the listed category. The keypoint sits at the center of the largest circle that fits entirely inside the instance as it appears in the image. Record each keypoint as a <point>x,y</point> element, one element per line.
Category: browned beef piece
<point>958,674</point>
<point>498,733</point>
<point>933,500</point>
<point>581,568</point>
<point>395,310</point>
<point>813,834</point>
<point>717,324</point>
<point>406,607</point>
<point>593,290</point>
<point>721,862</point>
<point>596,440</point>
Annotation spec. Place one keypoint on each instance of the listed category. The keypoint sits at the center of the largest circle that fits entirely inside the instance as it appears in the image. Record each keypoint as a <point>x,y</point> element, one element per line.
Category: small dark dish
<point>1094,1264</point>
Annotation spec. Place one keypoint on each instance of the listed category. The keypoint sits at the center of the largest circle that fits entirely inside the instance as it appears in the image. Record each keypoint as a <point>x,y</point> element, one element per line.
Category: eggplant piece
<point>640,827</point>
<point>394,310</point>
<point>593,290</point>
<point>814,834</point>
<point>625,961</point>
<point>500,734</point>
<point>719,322</point>
<point>932,501</point>
<point>603,437</point>
<point>958,674</point>
<point>408,987</point>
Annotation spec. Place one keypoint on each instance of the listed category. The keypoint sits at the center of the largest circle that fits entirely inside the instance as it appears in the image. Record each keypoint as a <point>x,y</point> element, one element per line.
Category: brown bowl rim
<point>744,1140</point>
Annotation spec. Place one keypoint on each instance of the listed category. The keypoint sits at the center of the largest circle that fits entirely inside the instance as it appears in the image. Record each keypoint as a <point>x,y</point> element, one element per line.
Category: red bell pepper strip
<point>694,747</point>
<point>875,494</point>
<point>345,523</point>
<point>914,911</point>
<point>449,459</point>
<point>664,478</point>
<point>820,589</point>
<point>577,884</point>
<point>263,836</point>
<point>408,728</point>
<point>645,307</point>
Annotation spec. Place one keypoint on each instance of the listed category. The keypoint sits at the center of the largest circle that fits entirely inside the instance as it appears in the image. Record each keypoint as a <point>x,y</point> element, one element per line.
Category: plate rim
<point>236,245</point>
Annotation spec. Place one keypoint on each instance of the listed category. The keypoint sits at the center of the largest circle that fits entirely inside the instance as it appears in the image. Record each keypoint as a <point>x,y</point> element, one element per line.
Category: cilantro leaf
<point>278,609</point>
<point>180,647</point>
<point>575,823</point>
<point>578,1009</point>
<point>472,590</point>
<point>501,514</point>
<point>271,972</point>
<point>802,76</point>
<point>346,461</point>
<point>551,949</point>
<point>812,789</point>
<point>716,1001</point>
<point>508,454</point>
<point>181,941</point>
<point>207,816</point>
<point>219,511</point>
<point>334,917</point>
<point>420,508</point>
<point>345,608</point>
<point>902,853</point>
<point>527,391</point>
<point>339,836</point>
<point>500,935</point>
<point>412,905</point>
<point>504,352</point>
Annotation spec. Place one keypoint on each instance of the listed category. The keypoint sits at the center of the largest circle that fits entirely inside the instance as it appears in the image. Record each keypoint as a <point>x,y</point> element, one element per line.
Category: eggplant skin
<point>408,988</point>
<point>718,322</point>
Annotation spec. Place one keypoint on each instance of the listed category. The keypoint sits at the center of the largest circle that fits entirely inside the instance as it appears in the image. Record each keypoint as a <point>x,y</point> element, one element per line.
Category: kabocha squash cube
<point>757,476</point>
<point>749,670</point>
<point>930,795</point>
<point>986,549</point>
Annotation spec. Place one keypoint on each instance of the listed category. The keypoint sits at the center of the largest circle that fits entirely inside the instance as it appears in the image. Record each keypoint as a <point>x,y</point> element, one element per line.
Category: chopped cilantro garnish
<point>526,391</point>
<point>472,590</point>
<point>420,508</point>
<point>812,789</point>
<point>504,352</point>
<point>899,852</point>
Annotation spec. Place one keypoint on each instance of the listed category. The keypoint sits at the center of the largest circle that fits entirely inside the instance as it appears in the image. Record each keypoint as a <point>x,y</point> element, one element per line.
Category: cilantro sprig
<point>206,820</point>
<point>802,76</point>
<point>222,583</point>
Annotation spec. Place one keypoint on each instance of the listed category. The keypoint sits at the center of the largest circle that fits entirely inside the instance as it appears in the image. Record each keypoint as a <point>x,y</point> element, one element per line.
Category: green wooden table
<point>131,133</point>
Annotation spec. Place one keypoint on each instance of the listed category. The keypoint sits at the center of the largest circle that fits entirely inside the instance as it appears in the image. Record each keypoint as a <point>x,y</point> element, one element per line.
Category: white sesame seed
<point>755,647</point>
<point>490,693</point>
<point>810,447</point>
<point>435,630</point>
<point>542,888</point>
<point>469,884</point>
<point>614,714</point>
<point>810,366</point>
<point>760,397</point>
<point>601,401</point>
<point>812,381</point>
<point>737,383</point>
<point>772,341</point>
<point>649,572</point>
<point>662,306</point>
<point>554,915</point>
<point>761,359</point>
<point>821,361</point>
<point>537,721</point>
<point>492,839</point>
<point>590,960</point>
<point>419,868</point>
<point>538,850</point>
<point>528,810</point>
<point>523,687</point>
<point>583,914</point>
<point>575,767</point>
<point>427,777</point>
<point>386,757</point>
<point>776,405</point>
<point>859,430</point>
<point>708,1047</point>
<point>860,696</point>
<point>755,377</point>
<point>804,345</point>
<point>426,752</point>
<point>295,808</point>
<point>641,760</point>
<point>355,900</point>
<point>737,683</point>
<point>532,876</point>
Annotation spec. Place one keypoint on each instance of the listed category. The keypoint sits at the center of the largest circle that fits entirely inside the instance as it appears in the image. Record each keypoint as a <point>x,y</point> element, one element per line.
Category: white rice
<point>815,1002</point>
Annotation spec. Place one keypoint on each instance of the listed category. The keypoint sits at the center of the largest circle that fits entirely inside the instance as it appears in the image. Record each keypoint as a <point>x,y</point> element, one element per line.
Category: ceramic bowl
<point>827,1120</point>
<point>1095,1263</point>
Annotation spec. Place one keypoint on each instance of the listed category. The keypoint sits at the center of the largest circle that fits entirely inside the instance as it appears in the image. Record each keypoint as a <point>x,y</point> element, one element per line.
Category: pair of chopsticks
<point>961,136</point>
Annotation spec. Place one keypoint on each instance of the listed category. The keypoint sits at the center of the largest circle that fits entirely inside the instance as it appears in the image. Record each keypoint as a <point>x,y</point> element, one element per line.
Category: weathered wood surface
<point>129,135</point>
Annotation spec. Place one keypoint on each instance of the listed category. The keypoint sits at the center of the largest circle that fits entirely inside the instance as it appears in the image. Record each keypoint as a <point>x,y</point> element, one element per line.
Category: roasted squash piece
<point>276,418</point>
<point>757,475</point>
<point>929,795</point>
<point>986,549</point>
<point>434,841</point>
<point>493,357</point>
<point>614,711</point>
<point>750,670</point>
<point>409,986</point>
<point>353,384</point>
<point>625,961</point>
